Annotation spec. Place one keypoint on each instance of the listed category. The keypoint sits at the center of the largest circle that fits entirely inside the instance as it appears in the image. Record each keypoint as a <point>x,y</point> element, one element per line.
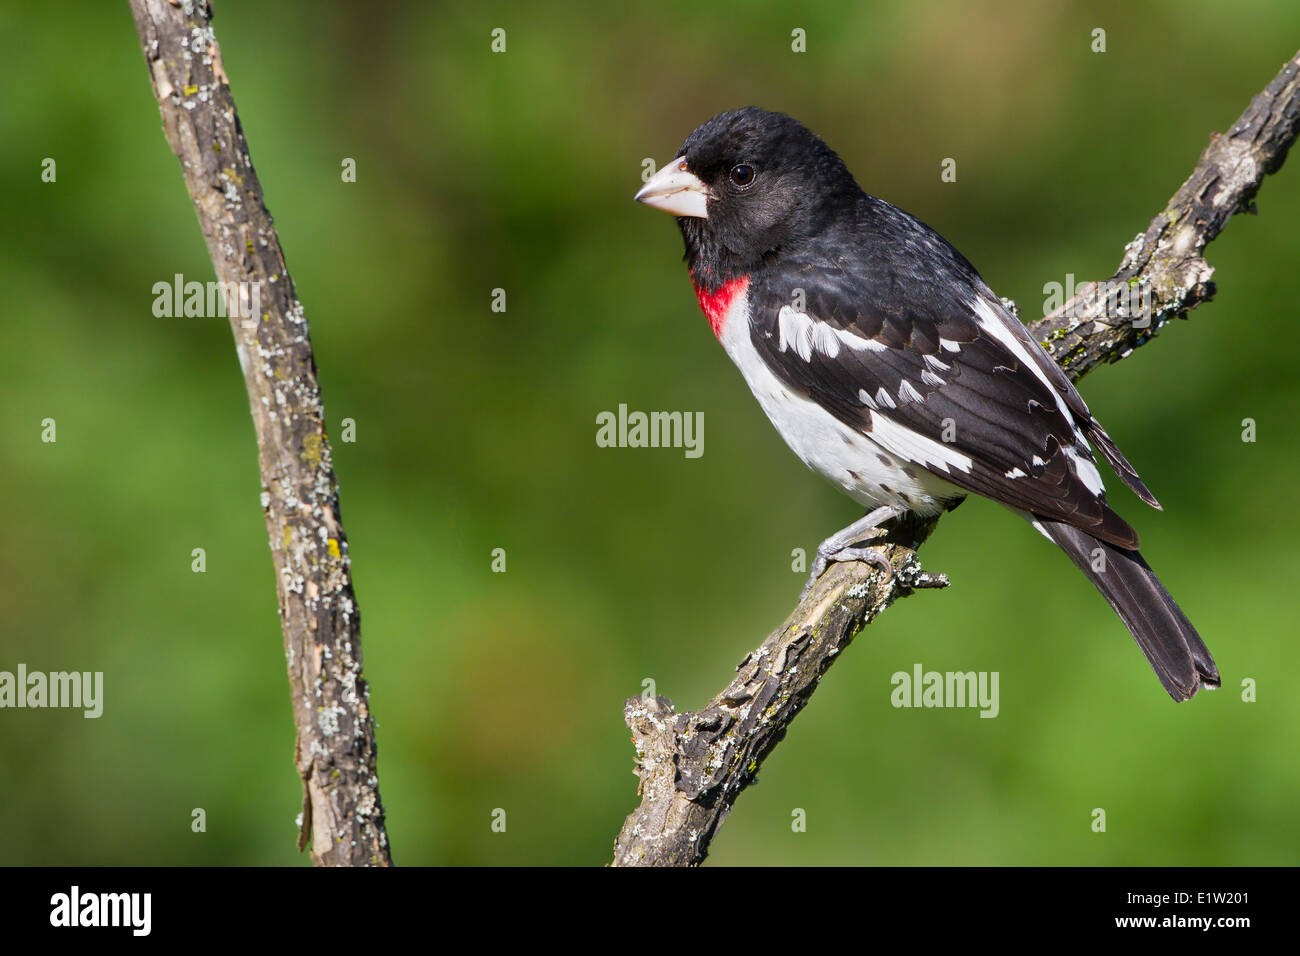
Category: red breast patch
<point>715,304</point>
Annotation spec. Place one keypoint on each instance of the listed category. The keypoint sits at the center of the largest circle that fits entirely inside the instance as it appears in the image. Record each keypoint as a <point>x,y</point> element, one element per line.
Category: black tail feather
<point>1176,652</point>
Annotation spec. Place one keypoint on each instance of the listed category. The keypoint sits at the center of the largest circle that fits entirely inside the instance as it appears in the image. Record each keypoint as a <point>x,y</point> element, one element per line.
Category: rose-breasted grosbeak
<point>890,367</point>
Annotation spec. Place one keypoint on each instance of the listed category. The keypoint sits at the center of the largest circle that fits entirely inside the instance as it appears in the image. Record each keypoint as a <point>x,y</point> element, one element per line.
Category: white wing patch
<point>858,343</point>
<point>906,393</point>
<point>1086,471</point>
<point>806,334</point>
<point>915,447</point>
<point>796,332</point>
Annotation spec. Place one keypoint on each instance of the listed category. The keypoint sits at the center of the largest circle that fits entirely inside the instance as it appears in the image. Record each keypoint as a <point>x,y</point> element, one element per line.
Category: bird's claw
<point>868,555</point>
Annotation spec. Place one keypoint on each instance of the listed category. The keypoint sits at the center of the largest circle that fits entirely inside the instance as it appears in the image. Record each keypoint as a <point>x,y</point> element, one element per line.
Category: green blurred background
<point>475,430</point>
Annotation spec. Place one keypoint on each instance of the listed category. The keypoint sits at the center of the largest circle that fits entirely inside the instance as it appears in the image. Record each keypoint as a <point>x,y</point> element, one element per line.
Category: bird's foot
<point>839,546</point>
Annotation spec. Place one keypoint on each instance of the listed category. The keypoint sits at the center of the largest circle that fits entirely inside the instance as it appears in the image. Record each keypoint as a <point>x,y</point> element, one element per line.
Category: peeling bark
<point>335,754</point>
<point>693,766</point>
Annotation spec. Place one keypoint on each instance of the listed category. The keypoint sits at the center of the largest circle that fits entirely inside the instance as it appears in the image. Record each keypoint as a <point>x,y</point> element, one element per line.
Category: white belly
<point>850,459</point>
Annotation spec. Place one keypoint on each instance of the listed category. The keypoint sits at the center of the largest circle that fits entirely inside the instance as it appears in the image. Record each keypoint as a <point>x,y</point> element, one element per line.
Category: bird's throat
<point>717,302</point>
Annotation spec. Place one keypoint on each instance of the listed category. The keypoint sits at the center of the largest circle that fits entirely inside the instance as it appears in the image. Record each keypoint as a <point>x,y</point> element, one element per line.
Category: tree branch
<point>336,754</point>
<point>693,766</point>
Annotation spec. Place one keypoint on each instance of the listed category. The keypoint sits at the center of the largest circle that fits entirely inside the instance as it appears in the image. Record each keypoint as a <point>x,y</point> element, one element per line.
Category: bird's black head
<point>745,186</point>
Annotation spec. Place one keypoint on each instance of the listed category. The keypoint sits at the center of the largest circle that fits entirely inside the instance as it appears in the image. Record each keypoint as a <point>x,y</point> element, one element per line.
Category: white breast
<point>850,459</point>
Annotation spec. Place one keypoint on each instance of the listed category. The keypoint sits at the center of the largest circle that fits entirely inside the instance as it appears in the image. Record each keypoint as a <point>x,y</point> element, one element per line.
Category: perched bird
<point>890,367</point>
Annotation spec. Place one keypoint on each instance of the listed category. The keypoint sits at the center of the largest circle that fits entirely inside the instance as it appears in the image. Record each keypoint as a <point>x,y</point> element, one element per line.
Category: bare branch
<point>1165,264</point>
<point>336,754</point>
<point>693,765</point>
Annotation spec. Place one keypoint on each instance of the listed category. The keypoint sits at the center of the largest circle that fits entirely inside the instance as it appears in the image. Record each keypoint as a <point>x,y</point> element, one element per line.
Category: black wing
<point>911,334</point>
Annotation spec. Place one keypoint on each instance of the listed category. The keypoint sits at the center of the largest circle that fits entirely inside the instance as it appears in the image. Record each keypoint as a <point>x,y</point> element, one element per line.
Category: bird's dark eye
<point>742,175</point>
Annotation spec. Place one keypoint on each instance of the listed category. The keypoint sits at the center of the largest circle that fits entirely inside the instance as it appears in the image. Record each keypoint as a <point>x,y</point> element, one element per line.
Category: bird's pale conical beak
<point>676,191</point>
